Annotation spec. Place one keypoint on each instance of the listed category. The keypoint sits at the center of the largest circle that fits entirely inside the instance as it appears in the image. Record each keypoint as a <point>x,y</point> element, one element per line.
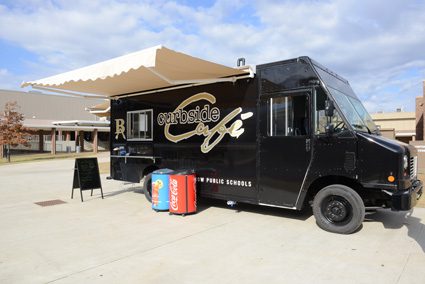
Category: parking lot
<point>120,239</point>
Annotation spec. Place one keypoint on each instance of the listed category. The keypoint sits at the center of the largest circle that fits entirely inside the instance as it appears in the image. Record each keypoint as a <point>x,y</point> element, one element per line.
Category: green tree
<point>12,130</point>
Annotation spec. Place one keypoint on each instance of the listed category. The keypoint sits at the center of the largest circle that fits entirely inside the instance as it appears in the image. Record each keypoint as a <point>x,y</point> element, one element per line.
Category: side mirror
<point>330,129</point>
<point>329,108</point>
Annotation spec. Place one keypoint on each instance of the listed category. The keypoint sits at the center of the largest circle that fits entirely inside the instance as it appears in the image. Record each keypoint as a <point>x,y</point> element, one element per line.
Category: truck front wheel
<point>338,209</point>
<point>147,187</point>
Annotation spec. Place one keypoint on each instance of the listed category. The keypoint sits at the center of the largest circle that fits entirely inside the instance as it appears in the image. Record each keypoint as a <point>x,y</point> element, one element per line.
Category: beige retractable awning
<point>148,69</point>
<point>100,110</point>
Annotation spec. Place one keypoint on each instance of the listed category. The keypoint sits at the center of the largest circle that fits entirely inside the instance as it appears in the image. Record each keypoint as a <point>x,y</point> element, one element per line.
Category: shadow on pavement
<point>125,187</point>
<point>257,209</point>
<point>205,203</point>
<point>396,220</point>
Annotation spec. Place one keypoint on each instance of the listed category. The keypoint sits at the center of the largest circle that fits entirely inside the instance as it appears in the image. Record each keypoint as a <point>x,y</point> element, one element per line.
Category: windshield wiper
<point>361,126</point>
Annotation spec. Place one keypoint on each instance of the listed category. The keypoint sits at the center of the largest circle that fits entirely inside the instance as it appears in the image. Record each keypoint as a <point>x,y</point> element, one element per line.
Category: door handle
<point>307,145</point>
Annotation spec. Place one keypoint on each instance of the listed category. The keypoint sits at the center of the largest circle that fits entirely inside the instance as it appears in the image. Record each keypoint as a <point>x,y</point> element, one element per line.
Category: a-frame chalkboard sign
<point>86,176</point>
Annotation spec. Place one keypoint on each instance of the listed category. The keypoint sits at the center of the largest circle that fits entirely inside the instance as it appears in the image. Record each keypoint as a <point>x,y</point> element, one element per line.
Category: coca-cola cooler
<point>160,185</point>
<point>182,190</point>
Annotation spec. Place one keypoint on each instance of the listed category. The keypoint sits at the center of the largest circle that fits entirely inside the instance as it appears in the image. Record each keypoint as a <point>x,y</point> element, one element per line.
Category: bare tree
<point>12,130</point>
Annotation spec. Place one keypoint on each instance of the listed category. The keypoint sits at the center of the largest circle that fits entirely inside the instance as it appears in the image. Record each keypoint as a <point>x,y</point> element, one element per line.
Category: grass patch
<point>23,158</point>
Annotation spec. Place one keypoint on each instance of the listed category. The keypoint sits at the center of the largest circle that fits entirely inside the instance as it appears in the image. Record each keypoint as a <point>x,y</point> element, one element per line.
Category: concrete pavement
<point>120,239</point>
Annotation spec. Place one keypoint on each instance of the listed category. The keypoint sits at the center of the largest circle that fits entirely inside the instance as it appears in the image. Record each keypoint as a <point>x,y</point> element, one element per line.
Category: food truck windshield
<point>344,96</point>
<point>354,111</point>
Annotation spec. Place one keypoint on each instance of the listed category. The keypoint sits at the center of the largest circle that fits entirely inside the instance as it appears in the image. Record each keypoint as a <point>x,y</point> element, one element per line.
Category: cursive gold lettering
<point>212,136</point>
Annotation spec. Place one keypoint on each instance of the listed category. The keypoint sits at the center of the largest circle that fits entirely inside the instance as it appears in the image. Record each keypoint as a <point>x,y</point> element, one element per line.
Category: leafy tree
<point>12,130</point>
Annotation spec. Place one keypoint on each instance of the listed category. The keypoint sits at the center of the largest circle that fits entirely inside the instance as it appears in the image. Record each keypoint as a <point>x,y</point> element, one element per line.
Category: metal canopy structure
<point>149,69</point>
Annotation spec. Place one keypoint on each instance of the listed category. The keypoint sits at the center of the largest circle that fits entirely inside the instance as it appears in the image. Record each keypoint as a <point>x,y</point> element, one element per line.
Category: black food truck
<point>292,135</point>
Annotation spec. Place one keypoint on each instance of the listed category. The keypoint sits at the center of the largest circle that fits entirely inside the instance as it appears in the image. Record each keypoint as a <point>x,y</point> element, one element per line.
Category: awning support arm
<point>69,93</point>
<point>188,84</point>
<point>207,81</point>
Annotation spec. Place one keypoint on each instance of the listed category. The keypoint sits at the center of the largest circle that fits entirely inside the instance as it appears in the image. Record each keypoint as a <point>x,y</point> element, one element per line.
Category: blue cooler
<point>160,182</point>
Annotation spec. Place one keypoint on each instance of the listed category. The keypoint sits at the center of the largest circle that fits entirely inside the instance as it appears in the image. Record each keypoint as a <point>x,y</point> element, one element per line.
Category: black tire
<point>147,187</point>
<point>338,209</point>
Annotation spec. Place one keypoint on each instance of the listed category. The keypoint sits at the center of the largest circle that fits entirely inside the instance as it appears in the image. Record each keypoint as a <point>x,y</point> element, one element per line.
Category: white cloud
<point>4,72</point>
<point>8,80</point>
<point>371,46</point>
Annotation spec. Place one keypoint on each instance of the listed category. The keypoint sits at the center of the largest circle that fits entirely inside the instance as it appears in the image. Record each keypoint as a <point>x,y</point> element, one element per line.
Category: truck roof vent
<point>240,62</point>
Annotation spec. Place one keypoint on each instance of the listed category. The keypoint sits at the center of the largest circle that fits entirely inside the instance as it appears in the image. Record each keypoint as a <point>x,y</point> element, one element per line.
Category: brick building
<point>398,125</point>
<point>420,115</point>
<point>62,123</point>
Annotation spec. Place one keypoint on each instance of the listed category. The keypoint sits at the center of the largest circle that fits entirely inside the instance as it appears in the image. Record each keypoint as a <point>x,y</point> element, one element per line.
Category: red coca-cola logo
<point>173,194</point>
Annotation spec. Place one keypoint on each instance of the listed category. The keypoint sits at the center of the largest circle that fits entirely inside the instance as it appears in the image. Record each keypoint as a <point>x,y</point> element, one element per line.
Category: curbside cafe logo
<point>200,117</point>
<point>119,128</point>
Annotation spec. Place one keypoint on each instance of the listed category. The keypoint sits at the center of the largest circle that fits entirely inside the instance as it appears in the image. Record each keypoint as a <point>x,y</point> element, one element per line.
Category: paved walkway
<point>121,240</point>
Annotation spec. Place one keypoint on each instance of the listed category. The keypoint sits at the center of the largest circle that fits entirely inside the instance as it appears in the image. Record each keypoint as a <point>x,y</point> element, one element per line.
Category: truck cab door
<point>284,146</point>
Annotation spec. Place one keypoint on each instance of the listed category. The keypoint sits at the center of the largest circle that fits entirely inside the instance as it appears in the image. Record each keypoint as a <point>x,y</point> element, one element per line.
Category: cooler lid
<point>163,171</point>
<point>184,172</point>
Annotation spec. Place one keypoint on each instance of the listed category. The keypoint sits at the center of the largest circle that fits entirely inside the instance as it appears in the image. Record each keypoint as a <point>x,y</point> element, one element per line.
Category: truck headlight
<point>405,162</point>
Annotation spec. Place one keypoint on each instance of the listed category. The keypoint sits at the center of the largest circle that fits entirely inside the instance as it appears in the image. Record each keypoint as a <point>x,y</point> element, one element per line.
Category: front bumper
<point>406,200</point>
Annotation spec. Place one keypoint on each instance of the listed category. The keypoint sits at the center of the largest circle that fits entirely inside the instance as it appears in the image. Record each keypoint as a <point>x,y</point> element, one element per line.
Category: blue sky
<point>377,45</point>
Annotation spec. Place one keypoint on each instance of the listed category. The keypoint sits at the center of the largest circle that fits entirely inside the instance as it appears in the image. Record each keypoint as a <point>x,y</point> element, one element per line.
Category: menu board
<point>86,175</point>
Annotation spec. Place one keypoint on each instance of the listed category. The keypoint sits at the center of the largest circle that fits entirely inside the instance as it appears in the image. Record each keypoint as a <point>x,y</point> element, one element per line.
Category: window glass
<point>142,122</point>
<point>348,110</point>
<point>322,119</point>
<point>364,115</point>
<point>279,112</point>
<point>288,116</point>
<point>134,125</point>
<point>350,106</point>
<point>139,125</point>
<point>148,131</point>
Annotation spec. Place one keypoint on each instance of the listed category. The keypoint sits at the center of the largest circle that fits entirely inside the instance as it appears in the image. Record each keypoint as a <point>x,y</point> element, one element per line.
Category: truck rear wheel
<point>147,187</point>
<point>338,209</point>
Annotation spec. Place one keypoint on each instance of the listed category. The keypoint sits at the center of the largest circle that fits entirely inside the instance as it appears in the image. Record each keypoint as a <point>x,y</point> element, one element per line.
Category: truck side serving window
<point>288,116</point>
<point>139,125</point>
<point>321,119</point>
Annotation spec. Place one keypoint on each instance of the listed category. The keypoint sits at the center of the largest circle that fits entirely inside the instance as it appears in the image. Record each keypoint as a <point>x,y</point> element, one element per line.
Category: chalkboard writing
<point>86,176</point>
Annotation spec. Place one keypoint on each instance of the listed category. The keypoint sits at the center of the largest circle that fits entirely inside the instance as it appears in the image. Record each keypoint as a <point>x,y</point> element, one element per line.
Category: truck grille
<point>413,167</point>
